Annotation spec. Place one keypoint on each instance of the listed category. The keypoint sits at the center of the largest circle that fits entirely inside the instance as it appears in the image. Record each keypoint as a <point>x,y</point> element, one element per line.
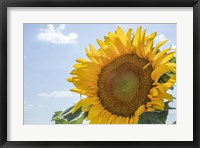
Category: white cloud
<point>161,37</point>
<point>58,94</point>
<point>56,36</point>
<point>61,27</point>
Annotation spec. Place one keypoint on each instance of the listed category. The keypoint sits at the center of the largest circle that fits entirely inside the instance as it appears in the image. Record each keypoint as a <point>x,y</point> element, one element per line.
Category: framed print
<point>78,74</point>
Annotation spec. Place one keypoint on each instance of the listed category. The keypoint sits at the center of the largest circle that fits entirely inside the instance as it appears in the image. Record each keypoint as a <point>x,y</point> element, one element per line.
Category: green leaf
<point>85,115</point>
<point>61,121</point>
<point>167,107</point>
<point>78,121</point>
<point>174,122</point>
<point>66,117</point>
<point>56,115</point>
<point>164,78</point>
<point>67,110</point>
<point>158,51</point>
<point>69,117</point>
<point>173,60</point>
<point>153,117</point>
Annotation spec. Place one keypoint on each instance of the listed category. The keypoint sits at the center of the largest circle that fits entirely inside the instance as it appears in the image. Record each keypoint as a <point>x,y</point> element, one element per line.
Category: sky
<point>50,51</point>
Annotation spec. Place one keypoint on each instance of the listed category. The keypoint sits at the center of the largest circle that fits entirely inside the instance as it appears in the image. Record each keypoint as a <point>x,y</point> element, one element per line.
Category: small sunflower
<point>121,79</point>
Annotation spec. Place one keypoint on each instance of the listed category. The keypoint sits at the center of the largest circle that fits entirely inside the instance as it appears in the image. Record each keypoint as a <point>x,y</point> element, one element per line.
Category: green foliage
<point>61,121</point>
<point>173,97</point>
<point>85,114</point>
<point>67,110</point>
<point>70,116</point>
<point>78,121</point>
<point>167,107</point>
<point>155,117</point>
<point>56,114</point>
<point>158,51</point>
<point>66,117</point>
<point>164,78</point>
<point>173,60</point>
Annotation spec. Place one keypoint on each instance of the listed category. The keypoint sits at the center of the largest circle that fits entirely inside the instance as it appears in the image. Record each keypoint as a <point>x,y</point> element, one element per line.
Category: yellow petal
<point>128,41</point>
<point>146,66</point>
<point>120,46</point>
<point>70,79</point>
<point>123,120</point>
<point>92,58</point>
<point>161,53</point>
<point>154,91</point>
<point>167,96</point>
<point>77,90</point>
<point>160,87</point>
<point>164,59</point>
<point>158,46</point>
<point>89,101</point>
<point>78,65</point>
<point>150,37</point>
<point>149,50</point>
<point>158,107</point>
<point>170,82</point>
<point>121,35</point>
<point>111,118</point>
<point>102,119</point>
<point>108,52</point>
<point>105,117</point>
<point>140,110</point>
<point>160,70</point>
<point>158,102</point>
<point>94,120</point>
<point>94,51</point>
<point>77,106</point>
<point>155,98</point>
<point>155,75</point>
<point>136,38</point>
<point>102,44</point>
<point>81,60</point>
<point>116,120</point>
<point>111,46</point>
<point>135,119</point>
<point>94,111</point>
<point>140,49</point>
<point>99,121</point>
<point>150,109</point>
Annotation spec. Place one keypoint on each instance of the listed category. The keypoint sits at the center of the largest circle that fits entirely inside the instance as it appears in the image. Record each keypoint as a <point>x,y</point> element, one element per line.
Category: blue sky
<point>50,51</point>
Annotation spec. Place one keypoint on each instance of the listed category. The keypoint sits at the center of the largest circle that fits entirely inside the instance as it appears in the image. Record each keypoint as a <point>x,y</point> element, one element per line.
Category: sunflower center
<point>123,84</point>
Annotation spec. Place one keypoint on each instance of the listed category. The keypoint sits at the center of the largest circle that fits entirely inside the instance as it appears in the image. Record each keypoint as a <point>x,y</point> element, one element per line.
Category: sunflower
<point>121,79</point>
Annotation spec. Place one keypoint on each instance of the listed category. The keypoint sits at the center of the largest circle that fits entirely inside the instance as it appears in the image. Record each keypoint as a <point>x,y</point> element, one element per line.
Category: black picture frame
<point>4,4</point>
